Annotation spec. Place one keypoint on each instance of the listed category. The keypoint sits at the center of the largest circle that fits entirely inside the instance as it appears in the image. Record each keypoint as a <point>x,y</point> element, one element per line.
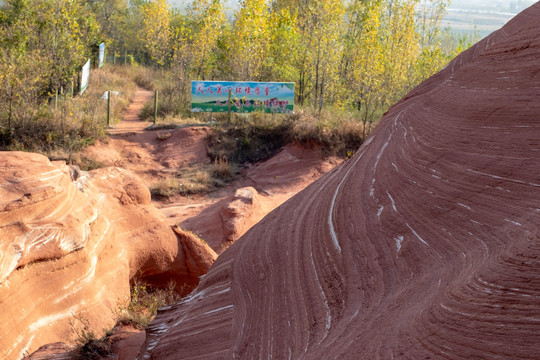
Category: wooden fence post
<point>108,108</point>
<point>155,106</point>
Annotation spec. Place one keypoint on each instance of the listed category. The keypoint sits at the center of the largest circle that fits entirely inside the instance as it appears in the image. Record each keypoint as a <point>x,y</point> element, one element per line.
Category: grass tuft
<point>87,345</point>
<point>145,302</point>
<point>144,77</point>
<point>222,169</point>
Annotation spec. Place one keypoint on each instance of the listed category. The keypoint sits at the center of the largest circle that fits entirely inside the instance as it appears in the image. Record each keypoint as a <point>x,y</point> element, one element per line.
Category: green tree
<point>208,24</point>
<point>283,37</point>
<point>113,19</point>
<point>250,40</point>
<point>43,45</point>
<point>64,32</point>
<point>321,29</point>
<point>155,32</point>
<point>315,46</point>
<point>381,49</point>
<point>22,74</point>
<point>432,56</point>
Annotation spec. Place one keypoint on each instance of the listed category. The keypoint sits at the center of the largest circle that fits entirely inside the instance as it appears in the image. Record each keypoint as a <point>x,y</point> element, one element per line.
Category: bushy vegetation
<point>356,56</point>
<point>360,56</point>
<point>144,303</point>
<point>257,137</point>
<point>349,60</point>
<point>248,139</point>
<point>59,126</point>
<point>196,179</point>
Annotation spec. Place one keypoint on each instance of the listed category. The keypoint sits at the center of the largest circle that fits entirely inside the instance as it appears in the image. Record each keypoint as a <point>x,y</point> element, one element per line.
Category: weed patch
<point>196,179</point>
<point>145,77</point>
<point>87,345</point>
<point>145,302</point>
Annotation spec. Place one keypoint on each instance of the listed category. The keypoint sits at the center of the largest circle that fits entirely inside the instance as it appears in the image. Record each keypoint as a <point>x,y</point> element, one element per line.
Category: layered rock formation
<point>425,245</point>
<point>71,241</point>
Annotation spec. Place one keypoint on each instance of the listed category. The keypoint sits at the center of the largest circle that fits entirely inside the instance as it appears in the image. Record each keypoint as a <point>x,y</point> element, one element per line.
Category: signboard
<point>242,97</point>
<point>84,76</point>
<point>101,55</point>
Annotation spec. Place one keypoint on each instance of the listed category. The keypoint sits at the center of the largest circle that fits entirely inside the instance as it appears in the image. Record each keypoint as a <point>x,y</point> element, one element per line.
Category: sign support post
<point>155,106</point>
<point>229,107</point>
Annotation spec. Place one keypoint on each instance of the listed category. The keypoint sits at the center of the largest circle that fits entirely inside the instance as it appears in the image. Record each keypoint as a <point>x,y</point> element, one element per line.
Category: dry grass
<point>166,187</point>
<point>78,122</point>
<point>189,181</point>
<point>222,169</point>
<point>196,179</point>
<point>75,122</point>
<point>172,121</point>
<point>257,136</point>
<point>87,345</point>
<point>145,302</point>
<point>145,77</point>
<point>335,133</point>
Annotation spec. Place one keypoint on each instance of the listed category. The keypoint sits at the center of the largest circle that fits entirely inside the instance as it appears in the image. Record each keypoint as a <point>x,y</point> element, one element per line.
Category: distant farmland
<point>467,21</point>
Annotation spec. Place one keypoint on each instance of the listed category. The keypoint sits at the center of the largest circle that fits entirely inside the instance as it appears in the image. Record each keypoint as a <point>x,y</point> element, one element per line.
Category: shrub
<point>248,140</point>
<point>336,133</point>
<point>222,169</point>
<point>87,345</point>
<point>145,302</point>
<point>141,308</point>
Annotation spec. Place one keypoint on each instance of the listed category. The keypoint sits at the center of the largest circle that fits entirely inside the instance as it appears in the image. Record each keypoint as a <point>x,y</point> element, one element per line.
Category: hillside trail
<point>130,146</point>
<point>131,122</point>
<point>135,145</point>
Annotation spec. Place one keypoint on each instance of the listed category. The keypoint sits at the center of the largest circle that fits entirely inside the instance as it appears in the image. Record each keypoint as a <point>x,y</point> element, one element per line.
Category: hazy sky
<point>503,5</point>
<point>475,2</point>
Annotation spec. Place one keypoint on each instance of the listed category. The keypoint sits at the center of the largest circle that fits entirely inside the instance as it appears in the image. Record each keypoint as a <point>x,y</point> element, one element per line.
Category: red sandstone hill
<point>425,245</point>
<point>71,241</point>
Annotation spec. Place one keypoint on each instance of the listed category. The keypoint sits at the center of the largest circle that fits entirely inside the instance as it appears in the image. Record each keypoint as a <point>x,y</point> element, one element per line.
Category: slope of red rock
<point>71,241</point>
<point>425,245</point>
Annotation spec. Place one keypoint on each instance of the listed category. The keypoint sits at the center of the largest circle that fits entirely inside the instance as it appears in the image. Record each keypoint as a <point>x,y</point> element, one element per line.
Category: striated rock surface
<point>425,245</point>
<point>71,241</point>
<point>54,351</point>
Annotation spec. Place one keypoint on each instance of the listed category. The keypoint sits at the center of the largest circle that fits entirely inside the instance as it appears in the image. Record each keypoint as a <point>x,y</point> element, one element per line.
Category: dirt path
<point>131,122</point>
<point>130,146</point>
